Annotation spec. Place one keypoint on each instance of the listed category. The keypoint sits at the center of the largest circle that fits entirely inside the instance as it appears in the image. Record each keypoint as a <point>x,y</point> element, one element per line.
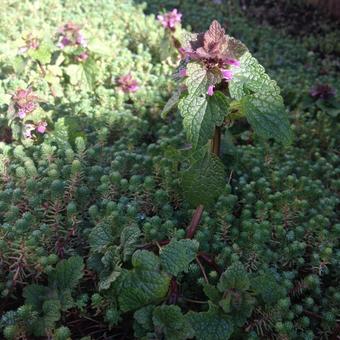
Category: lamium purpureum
<point>220,82</point>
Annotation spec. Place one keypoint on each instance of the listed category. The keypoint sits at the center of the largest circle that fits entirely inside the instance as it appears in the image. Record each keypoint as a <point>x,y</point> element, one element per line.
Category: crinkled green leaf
<point>144,284</point>
<point>235,277</point>
<point>67,273</point>
<point>144,317</point>
<point>83,73</point>
<point>101,237</point>
<point>210,325</point>
<point>128,239</point>
<point>201,114</point>
<point>177,255</point>
<point>266,114</point>
<point>197,79</point>
<point>170,321</point>
<point>250,77</point>
<point>106,282</point>
<point>204,180</point>
<point>211,292</point>
<point>260,100</point>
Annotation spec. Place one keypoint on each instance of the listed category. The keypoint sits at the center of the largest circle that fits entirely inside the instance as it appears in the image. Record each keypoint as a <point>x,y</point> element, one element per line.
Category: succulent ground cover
<point>117,217</point>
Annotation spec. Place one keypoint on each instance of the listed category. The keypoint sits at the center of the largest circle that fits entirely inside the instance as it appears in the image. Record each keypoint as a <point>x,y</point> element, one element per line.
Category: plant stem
<point>196,218</point>
<point>216,141</point>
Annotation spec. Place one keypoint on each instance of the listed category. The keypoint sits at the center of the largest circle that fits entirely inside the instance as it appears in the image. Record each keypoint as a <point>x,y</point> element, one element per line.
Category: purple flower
<point>22,113</point>
<point>183,72</point>
<point>227,74</point>
<point>70,34</point>
<point>322,91</point>
<point>82,57</point>
<point>233,62</point>
<point>127,84</point>
<point>170,19</point>
<point>41,127</point>
<point>63,42</point>
<point>24,102</point>
<point>210,91</point>
<point>80,39</point>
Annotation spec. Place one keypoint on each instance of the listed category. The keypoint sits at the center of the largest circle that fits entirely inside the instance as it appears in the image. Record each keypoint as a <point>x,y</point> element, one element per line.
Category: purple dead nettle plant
<point>322,91</point>
<point>169,20</point>
<point>70,35</point>
<point>24,102</point>
<point>216,51</point>
<point>127,83</point>
<point>218,83</point>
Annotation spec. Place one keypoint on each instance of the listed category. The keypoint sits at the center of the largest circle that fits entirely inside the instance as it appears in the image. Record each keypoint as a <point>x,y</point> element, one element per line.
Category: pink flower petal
<point>210,91</point>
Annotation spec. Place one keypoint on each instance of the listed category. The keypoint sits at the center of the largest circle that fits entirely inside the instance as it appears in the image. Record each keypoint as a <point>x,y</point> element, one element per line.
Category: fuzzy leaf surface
<point>144,284</point>
<point>171,322</point>
<point>204,180</point>
<point>210,325</point>
<point>260,99</point>
<point>177,255</point>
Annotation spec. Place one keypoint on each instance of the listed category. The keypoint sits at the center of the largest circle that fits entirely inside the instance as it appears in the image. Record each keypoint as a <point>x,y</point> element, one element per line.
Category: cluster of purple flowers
<point>215,50</point>
<point>127,84</point>
<point>170,19</point>
<point>24,102</point>
<point>40,127</point>
<point>71,35</point>
<point>322,91</point>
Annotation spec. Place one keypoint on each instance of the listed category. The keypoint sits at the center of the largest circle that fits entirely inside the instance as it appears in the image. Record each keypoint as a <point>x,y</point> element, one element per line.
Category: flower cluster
<point>40,127</point>
<point>31,43</point>
<point>71,35</point>
<point>24,102</point>
<point>322,91</point>
<point>215,50</point>
<point>170,19</point>
<point>127,84</point>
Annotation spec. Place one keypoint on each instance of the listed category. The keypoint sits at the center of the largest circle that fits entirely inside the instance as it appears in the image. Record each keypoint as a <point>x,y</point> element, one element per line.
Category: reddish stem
<point>196,218</point>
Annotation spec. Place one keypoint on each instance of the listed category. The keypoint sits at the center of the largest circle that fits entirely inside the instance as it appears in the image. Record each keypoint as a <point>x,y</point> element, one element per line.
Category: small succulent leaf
<point>170,321</point>
<point>67,273</point>
<point>235,277</point>
<point>266,287</point>
<point>144,284</point>
<point>177,255</point>
<point>35,295</point>
<point>204,180</point>
<point>210,325</point>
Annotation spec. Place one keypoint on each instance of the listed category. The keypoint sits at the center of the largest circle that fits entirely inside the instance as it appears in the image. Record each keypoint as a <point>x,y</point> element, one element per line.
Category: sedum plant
<point>220,83</point>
